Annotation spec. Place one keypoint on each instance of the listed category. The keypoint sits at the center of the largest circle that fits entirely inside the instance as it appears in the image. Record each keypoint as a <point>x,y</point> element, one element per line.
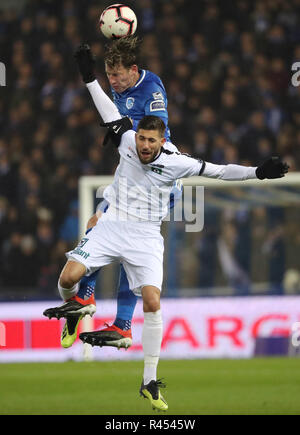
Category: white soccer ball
<point>117,21</point>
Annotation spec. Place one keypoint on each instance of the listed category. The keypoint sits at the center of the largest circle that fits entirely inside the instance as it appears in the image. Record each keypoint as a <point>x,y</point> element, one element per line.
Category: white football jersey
<point>141,192</point>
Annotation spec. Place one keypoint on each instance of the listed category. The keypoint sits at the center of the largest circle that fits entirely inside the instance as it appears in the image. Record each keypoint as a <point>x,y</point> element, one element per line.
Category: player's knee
<point>151,301</point>
<point>66,281</point>
<point>71,275</point>
<point>151,307</point>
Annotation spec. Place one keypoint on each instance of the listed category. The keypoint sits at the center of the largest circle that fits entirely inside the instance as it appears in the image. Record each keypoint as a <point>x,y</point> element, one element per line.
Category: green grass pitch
<point>197,387</point>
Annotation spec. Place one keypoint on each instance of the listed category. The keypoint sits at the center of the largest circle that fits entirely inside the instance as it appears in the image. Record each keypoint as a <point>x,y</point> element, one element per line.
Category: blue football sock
<point>126,303</point>
<point>125,325</point>
<point>87,286</point>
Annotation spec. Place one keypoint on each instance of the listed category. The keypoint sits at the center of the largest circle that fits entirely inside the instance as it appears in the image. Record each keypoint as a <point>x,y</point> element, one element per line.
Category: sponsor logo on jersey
<point>130,103</point>
<point>158,96</point>
<point>158,105</point>
<point>79,251</point>
<point>82,253</point>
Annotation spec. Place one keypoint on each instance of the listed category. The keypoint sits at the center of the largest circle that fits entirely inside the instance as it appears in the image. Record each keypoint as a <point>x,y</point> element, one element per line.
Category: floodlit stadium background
<point>228,73</point>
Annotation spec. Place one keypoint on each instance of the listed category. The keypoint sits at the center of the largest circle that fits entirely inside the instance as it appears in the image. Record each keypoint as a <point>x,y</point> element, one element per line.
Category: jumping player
<point>130,229</point>
<point>136,93</point>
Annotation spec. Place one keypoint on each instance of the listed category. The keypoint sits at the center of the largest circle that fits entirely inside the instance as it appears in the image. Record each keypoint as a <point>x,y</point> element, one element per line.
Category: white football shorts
<point>137,245</point>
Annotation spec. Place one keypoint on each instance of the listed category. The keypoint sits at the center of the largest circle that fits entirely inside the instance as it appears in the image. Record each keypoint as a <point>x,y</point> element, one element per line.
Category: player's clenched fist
<point>272,168</point>
<point>85,61</point>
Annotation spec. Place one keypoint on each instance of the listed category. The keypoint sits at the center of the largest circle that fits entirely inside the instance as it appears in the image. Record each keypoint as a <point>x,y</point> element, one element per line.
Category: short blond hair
<point>123,51</point>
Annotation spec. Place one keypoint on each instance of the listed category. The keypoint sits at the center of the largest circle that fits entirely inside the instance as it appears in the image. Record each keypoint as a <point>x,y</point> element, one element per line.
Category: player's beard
<point>147,156</point>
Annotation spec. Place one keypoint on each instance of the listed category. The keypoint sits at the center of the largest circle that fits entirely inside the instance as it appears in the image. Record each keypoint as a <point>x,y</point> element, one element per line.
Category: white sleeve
<point>186,166</point>
<point>105,106</point>
<point>229,172</point>
<point>127,141</point>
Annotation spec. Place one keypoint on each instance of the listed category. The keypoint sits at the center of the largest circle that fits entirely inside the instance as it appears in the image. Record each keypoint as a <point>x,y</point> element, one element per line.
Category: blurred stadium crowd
<point>227,70</point>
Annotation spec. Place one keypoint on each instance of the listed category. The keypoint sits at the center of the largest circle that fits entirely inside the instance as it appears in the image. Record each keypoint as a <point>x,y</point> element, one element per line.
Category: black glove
<point>86,62</point>
<point>116,129</point>
<point>272,168</point>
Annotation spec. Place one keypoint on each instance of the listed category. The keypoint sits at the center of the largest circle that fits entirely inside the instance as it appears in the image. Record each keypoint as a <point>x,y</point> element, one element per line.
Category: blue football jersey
<point>147,97</point>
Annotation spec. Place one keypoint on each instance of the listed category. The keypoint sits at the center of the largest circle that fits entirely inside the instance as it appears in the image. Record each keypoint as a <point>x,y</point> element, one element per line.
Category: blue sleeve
<point>157,108</point>
<point>135,124</point>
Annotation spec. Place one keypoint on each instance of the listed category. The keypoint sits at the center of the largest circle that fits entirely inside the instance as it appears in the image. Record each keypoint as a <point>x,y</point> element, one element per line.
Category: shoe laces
<point>154,386</point>
<point>159,383</point>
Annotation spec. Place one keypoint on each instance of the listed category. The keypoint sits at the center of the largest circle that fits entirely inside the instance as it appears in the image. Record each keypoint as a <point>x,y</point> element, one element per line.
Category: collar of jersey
<point>143,75</point>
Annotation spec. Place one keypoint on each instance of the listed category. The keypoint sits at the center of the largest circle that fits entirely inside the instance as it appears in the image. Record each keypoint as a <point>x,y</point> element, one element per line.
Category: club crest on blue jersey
<point>130,103</point>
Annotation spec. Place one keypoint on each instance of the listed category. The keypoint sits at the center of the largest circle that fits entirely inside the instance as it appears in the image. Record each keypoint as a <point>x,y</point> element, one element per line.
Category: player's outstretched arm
<point>105,106</point>
<point>272,168</point>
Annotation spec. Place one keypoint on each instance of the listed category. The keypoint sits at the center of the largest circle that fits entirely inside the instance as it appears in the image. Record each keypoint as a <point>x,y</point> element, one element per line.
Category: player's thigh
<point>151,299</point>
<point>145,274</point>
<point>96,249</point>
<point>143,262</point>
<point>72,273</point>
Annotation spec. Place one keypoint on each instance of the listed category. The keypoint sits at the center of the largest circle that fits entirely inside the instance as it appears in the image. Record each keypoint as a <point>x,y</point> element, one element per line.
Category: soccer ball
<point>117,21</point>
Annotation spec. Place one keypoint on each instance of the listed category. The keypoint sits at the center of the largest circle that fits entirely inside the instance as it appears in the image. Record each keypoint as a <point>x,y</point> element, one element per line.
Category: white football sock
<point>68,293</point>
<point>151,340</point>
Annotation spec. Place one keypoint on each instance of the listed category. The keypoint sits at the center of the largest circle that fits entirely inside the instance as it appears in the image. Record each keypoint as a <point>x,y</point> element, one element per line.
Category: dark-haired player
<point>130,229</point>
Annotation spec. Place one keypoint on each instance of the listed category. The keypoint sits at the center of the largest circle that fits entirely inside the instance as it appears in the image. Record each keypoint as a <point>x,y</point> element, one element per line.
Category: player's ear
<point>163,141</point>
